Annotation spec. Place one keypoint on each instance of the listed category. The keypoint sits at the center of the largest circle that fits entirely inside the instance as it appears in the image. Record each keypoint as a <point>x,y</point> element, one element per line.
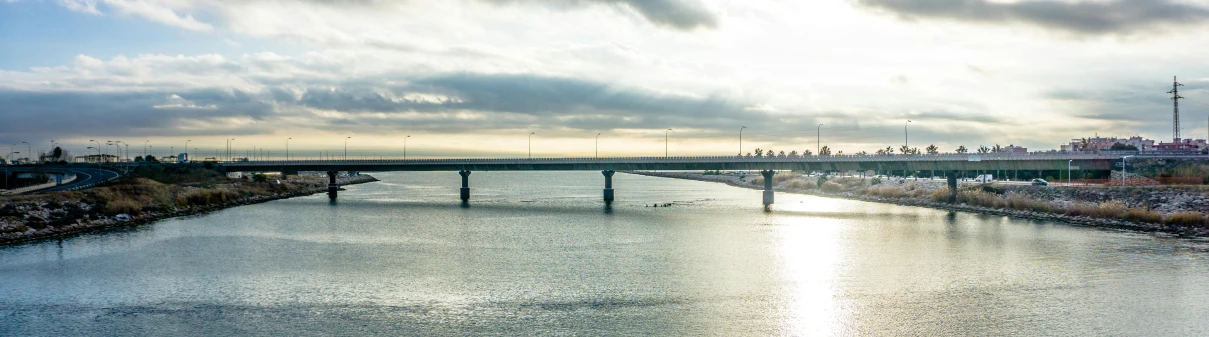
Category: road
<point>84,176</point>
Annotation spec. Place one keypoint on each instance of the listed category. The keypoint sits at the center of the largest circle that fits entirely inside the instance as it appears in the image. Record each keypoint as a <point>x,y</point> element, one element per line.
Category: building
<point>1184,145</point>
<point>1015,149</point>
<point>1103,143</point>
<point>93,158</point>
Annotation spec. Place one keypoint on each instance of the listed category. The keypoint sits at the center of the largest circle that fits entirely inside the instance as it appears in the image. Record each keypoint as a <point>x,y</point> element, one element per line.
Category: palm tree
<point>793,153</point>
<point>781,154</point>
<point>1084,144</point>
<point>915,150</point>
<point>862,153</point>
<point>962,149</point>
<point>997,148</point>
<point>889,150</point>
<point>881,151</point>
<point>759,152</point>
<point>983,149</point>
<point>904,149</point>
<point>807,153</point>
<point>825,151</point>
<point>768,153</point>
<point>932,149</point>
<point>839,153</point>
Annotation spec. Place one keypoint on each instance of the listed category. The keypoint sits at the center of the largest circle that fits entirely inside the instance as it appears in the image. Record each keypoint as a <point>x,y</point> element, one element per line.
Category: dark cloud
<point>1086,17</point>
<point>678,14</point>
<point>51,114</point>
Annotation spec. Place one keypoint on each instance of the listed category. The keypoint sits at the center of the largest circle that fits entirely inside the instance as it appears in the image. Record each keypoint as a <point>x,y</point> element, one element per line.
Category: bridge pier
<point>952,180</point>
<point>768,194</point>
<point>331,185</point>
<point>608,190</point>
<point>465,191</point>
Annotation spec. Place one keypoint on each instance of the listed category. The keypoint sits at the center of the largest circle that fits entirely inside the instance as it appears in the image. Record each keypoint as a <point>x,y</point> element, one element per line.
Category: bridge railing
<point>708,159</point>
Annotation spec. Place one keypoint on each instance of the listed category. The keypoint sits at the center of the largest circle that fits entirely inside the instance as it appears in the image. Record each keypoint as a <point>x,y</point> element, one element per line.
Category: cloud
<point>158,12</point>
<point>677,14</point>
<point>1083,17</point>
<point>82,6</point>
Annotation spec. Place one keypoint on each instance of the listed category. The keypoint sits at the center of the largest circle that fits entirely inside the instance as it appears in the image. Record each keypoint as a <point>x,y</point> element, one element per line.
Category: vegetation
<point>962,149</point>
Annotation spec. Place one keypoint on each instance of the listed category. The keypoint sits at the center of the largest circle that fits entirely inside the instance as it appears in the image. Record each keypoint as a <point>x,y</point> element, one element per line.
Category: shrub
<point>779,178</point>
<point>832,187</point>
<point>757,181</point>
<point>1142,215</point>
<point>875,181</point>
<point>979,198</point>
<point>1185,219</point>
<point>1026,203</point>
<point>260,178</point>
<point>941,194</point>
<point>802,184</point>
<point>1107,209</point>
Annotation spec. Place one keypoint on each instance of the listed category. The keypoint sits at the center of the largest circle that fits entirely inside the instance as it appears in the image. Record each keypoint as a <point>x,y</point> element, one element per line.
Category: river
<point>536,253</point>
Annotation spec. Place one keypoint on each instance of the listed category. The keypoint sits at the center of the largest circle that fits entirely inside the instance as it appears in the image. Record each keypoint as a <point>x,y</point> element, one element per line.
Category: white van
<point>984,178</point>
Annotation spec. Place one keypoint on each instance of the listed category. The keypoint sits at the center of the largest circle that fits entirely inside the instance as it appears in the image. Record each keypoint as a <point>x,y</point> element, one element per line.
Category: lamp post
<point>145,148</point>
<point>346,146</point>
<point>287,149</point>
<point>665,142</point>
<point>598,145</point>
<point>1068,171</point>
<point>531,144</point>
<point>1123,170</point>
<point>98,148</point>
<point>186,149</point>
<point>29,151</point>
<point>818,139</point>
<point>6,168</point>
<point>905,143</point>
<point>741,141</point>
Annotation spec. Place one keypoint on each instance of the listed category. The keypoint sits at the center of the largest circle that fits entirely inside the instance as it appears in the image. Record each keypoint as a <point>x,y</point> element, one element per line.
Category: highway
<point>85,177</point>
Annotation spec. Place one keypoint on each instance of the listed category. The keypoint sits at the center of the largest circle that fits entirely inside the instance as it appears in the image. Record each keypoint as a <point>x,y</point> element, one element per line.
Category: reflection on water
<point>539,253</point>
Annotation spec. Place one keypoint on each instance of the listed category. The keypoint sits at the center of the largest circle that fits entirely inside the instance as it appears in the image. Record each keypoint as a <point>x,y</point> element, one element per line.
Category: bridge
<point>951,165</point>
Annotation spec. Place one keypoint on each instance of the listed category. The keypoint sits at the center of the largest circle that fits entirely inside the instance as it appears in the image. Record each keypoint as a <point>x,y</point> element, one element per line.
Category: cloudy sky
<point>475,77</point>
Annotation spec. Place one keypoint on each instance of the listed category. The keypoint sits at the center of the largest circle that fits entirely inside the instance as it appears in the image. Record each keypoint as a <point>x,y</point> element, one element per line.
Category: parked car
<point>1040,182</point>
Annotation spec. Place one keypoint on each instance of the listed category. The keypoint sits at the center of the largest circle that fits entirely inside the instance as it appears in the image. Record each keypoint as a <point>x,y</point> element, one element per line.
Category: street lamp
<point>1123,169</point>
<point>98,148</point>
<point>287,149</point>
<point>741,141</point>
<point>346,146</point>
<point>905,144</point>
<point>145,148</point>
<point>405,147</point>
<point>665,142</point>
<point>818,140</point>
<point>598,145</point>
<point>1068,171</point>
<point>531,144</point>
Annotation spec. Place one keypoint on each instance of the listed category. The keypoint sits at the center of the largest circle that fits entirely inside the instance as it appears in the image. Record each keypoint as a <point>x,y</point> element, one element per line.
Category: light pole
<point>186,149</point>
<point>6,167</point>
<point>145,148</point>
<point>230,146</point>
<point>29,151</point>
<point>1123,170</point>
<point>818,139</point>
<point>741,141</point>
<point>1068,171</point>
<point>531,144</point>
<point>346,146</point>
<point>287,149</point>
<point>405,147</point>
<point>665,142</point>
<point>905,143</point>
<point>597,145</point>
<point>98,149</point>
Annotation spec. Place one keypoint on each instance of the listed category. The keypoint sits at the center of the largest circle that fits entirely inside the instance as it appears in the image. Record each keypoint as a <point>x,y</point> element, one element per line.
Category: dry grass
<point>887,191</point>
<point>980,198</point>
<point>758,180</point>
<point>782,177</point>
<point>1142,215</point>
<point>1108,209</point>
<point>940,194</point>
<point>1185,219</point>
<point>832,187</point>
<point>1026,203</point>
<point>802,184</point>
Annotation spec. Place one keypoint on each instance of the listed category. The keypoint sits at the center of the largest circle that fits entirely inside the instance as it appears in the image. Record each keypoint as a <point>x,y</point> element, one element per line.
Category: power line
<point>1175,114</point>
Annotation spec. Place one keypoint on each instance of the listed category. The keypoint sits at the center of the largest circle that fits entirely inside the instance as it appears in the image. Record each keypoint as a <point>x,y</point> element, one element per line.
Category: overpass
<point>950,164</point>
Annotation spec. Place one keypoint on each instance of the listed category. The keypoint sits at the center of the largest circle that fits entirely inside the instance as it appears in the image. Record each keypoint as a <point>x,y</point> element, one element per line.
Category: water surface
<point>537,253</point>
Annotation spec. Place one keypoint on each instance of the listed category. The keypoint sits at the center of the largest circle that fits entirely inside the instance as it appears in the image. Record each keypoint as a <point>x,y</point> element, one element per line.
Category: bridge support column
<point>465,191</point>
<point>608,190</point>
<point>331,185</point>
<point>768,194</point>
<point>952,180</point>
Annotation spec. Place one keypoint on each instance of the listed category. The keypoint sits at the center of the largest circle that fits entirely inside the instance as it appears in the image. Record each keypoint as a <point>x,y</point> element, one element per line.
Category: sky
<point>501,78</point>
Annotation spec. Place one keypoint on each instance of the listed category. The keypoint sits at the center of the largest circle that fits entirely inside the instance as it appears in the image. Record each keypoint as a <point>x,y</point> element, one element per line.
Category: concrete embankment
<point>36,219</point>
<point>1059,204</point>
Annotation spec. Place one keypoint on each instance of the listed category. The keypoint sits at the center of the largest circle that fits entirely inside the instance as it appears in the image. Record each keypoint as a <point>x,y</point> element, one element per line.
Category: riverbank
<point>140,201</point>
<point>1171,210</point>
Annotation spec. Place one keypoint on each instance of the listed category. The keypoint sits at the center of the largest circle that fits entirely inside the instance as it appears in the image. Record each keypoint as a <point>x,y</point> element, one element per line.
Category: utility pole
<point>1175,100</point>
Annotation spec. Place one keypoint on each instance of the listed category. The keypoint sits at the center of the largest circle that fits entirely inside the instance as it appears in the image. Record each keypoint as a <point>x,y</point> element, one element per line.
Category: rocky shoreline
<point>1078,220</point>
<point>110,222</point>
